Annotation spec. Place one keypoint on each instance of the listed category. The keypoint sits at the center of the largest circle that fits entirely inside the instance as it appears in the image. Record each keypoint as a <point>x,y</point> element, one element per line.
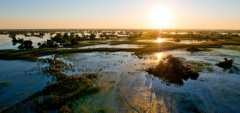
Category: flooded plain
<point>112,46</point>
<point>126,86</point>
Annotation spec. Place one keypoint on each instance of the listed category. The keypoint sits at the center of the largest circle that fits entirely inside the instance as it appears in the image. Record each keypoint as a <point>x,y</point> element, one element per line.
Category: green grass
<point>236,48</point>
<point>112,81</point>
<point>4,84</point>
<point>199,66</point>
<point>61,94</point>
<point>33,54</point>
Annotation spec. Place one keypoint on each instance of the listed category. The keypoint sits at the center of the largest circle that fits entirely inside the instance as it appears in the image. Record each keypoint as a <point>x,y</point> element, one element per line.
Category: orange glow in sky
<point>120,14</point>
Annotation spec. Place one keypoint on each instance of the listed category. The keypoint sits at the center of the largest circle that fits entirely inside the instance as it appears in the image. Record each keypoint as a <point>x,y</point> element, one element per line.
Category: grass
<point>149,47</point>
<point>59,95</point>
<point>236,48</point>
<point>4,84</point>
<point>229,42</point>
<point>112,81</point>
<point>210,44</point>
<point>84,109</point>
<point>200,66</point>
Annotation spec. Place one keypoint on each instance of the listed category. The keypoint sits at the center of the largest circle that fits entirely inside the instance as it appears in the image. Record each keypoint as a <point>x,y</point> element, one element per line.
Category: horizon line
<point>112,29</point>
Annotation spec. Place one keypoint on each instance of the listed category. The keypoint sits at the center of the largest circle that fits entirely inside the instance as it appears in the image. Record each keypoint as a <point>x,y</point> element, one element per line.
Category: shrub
<point>226,64</point>
<point>193,49</point>
<point>64,109</point>
<point>173,70</point>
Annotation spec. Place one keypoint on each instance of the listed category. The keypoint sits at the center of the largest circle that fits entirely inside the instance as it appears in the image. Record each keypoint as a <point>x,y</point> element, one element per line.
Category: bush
<point>173,70</point>
<point>64,109</point>
<point>193,49</point>
<point>66,90</point>
<point>226,64</point>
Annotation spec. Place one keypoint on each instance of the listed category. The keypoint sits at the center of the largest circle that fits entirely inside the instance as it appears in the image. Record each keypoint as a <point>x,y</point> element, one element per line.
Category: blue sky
<point>186,14</point>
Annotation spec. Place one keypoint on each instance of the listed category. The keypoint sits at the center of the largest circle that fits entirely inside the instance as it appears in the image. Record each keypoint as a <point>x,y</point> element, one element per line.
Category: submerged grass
<point>149,47</point>
<point>69,88</point>
<point>59,95</point>
<point>112,81</point>
<point>4,84</point>
<point>236,48</point>
<point>200,66</point>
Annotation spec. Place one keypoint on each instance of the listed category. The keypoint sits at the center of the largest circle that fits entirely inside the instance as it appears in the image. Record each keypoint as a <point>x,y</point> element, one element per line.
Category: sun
<point>160,17</point>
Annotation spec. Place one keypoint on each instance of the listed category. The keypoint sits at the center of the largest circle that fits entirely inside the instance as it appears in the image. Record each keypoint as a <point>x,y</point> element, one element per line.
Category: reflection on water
<point>20,79</point>
<point>143,92</point>
<point>185,41</point>
<point>213,91</point>
<point>159,56</point>
<point>159,40</point>
<point>6,42</point>
<point>112,46</point>
<point>128,87</point>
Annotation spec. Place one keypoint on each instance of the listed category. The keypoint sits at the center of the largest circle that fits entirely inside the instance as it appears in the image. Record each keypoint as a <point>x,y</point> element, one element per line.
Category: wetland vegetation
<point>173,70</point>
<point>133,69</point>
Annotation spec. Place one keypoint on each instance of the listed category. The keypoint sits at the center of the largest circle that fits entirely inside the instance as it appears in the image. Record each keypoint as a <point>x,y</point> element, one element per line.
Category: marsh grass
<point>149,47</point>
<point>4,84</point>
<point>84,109</point>
<point>236,48</point>
<point>200,66</point>
<point>59,95</point>
<point>111,81</point>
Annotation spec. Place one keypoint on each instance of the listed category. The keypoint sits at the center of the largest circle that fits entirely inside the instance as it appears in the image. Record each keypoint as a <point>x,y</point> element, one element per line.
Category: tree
<point>41,35</point>
<point>92,36</point>
<point>173,70</point>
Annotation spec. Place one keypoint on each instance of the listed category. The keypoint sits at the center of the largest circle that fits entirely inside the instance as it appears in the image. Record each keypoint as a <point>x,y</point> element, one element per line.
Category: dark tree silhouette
<point>173,70</point>
<point>92,36</point>
<point>226,64</point>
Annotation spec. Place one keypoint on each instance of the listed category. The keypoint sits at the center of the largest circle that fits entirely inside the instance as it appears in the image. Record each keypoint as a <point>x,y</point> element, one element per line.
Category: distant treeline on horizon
<point>163,30</point>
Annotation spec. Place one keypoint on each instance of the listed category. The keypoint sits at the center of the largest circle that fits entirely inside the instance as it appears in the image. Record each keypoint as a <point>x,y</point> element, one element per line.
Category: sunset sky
<point>120,14</point>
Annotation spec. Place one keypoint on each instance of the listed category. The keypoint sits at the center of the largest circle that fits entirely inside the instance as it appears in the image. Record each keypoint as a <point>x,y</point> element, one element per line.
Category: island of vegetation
<point>173,70</point>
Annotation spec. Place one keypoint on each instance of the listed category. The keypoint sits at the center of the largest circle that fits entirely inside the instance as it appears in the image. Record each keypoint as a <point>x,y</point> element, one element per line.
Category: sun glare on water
<point>159,56</point>
<point>159,40</point>
<point>160,17</point>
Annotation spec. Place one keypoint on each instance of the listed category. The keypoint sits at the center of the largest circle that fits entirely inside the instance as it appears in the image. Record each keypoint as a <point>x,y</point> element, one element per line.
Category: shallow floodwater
<point>185,41</point>
<point>113,46</point>
<point>128,88</point>
<point>20,79</point>
<point>214,91</point>
<point>6,42</point>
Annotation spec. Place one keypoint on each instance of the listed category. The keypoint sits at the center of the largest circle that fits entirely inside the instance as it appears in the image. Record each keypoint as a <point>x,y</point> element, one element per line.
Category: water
<point>212,92</point>
<point>20,79</point>
<point>113,46</point>
<point>126,87</point>
<point>6,42</point>
<point>133,89</point>
<point>185,41</point>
